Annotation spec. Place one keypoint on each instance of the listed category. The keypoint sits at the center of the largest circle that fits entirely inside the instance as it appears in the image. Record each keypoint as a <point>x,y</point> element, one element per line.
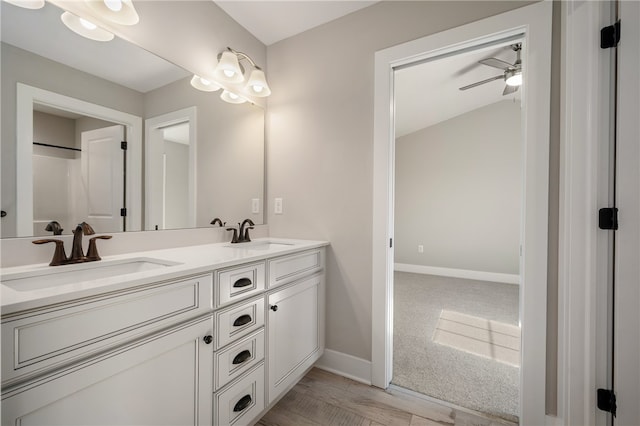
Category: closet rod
<point>57,146</point>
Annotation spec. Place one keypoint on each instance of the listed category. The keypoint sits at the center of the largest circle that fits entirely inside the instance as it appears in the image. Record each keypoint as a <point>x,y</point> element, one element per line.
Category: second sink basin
<point>70,274</point>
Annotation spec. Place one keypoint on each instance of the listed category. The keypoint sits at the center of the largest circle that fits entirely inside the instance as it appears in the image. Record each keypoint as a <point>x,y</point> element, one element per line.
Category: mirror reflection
<point>191,156</point>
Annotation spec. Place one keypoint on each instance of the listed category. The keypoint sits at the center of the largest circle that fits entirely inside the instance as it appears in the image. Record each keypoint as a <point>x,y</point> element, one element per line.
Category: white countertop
<point>190,260</point>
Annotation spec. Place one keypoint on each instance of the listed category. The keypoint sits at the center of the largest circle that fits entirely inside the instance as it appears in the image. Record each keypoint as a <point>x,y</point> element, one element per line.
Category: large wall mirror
<point>68,102</point>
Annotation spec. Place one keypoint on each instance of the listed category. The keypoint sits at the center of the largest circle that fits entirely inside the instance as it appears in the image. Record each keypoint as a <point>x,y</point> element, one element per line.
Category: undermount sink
<point>70,274</point>
<point>260,245</point>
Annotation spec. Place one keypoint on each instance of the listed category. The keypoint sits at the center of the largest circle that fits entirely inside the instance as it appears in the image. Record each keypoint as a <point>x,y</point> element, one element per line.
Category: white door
<point>103,178</point>
<point>626,374</point>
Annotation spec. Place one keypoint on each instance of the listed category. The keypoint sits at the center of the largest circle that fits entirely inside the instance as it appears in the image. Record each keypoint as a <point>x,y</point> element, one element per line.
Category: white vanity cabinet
<point>295,323</point>
<point>138,356</point>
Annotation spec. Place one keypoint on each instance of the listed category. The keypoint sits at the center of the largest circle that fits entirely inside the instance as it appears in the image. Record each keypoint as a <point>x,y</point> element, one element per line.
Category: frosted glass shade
<point>515,79</point>
<point>228,68</point>
<point>232,98</point>
<point>27,4</point>
<point>257,84</point>
<point>204,84</point>
<point>85,28</point>
<point>117,11</point>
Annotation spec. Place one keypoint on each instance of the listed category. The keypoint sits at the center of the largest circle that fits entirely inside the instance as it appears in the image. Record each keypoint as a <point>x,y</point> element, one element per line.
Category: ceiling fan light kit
<point>511,73</point>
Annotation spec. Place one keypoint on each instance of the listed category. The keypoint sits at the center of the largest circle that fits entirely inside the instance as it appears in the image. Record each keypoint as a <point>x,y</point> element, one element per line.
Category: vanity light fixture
<point>232,98</point>
<point>85,28</point>
<point>27,4</point>
<point>117,11</point>
<point>204,84</point>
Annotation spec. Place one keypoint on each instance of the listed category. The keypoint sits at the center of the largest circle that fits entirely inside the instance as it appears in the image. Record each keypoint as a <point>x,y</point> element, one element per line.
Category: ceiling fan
<point>511,73</point>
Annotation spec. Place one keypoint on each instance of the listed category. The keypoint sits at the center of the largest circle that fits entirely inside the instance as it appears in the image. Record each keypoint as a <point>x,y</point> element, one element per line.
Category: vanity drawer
<point>239,283</point>
<point>242,402</point>
<point>238,321</point>
<point>238,358</point>
<point>286,269</point>
<point>39,341</point>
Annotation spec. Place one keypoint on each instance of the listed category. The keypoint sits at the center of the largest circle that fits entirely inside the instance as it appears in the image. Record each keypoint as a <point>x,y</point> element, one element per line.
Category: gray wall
<point>320,143</point>
<point>458,192</point>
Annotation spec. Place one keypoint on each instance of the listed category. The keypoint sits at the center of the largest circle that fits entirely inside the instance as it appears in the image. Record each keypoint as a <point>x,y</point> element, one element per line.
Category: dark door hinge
<point>390,242</point>
<point>607,401</point>
<point>610,36</point>
<point>123,212</point>
<point>123,145</point>
<point>608,218</point>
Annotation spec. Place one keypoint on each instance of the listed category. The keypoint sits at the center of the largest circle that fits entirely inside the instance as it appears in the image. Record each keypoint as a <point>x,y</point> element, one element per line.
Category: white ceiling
<point>272,21</point>
<point>429,93</point>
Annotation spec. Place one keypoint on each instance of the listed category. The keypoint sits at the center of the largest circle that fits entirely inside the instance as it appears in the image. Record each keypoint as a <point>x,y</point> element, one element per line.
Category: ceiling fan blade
<point>496,63</point>
<point>478,83</point>
<point>509,89</point>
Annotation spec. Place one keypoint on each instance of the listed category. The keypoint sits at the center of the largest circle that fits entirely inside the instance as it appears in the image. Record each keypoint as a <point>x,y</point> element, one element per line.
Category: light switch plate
<point>255,205</point>
<point>277,206</point>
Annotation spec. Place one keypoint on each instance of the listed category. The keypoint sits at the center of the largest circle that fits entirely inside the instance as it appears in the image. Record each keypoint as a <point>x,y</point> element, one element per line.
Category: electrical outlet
<point>277,206</point>
<point>420,248</point>
<point>255,205</point>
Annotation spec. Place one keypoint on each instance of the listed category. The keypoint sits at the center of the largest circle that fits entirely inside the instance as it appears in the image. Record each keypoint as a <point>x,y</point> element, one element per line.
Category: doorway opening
<point>457,221</point>
<point>532,25</point>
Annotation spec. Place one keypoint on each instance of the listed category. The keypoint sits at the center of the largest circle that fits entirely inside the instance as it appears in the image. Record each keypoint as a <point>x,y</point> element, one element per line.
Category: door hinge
<point>390,242</point>
<point>608,218</point>
<point>610,36</point>
<point>123,212</point>
<point>123,145</point>
<point>607,401</point>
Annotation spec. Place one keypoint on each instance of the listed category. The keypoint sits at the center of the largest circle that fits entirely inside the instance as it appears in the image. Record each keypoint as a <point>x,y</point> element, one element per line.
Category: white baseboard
<point>459,273</point>
<point>346,365</point>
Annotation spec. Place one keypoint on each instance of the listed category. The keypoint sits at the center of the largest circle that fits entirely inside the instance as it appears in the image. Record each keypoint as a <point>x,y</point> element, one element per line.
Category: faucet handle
<point>59,256</point>
<point>92,252</point>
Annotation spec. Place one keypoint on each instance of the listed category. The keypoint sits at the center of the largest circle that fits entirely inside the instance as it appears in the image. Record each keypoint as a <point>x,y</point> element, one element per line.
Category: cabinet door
<point>164,379</point>
<point>295,332</point>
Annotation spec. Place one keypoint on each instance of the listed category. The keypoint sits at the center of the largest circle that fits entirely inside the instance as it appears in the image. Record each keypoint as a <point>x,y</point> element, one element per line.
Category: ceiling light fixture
<point>513,78</point>
<point>27,4</point>
<point>117,11</point>
<point>85,28</point>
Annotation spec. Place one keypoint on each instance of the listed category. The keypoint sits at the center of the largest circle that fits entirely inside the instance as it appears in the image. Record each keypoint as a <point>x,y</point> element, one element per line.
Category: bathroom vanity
<point>204,335</point>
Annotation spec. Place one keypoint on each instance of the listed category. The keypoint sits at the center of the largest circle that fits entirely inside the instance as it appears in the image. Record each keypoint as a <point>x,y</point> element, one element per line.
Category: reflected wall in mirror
<point>227,170</point>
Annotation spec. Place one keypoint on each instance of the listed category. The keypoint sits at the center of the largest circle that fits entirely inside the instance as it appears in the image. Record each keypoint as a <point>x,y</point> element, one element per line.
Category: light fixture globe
<point>257,84</point>
<point>228,68</point>
<point>85,28</point>
<point>204,84</point>
<point>117,11</point>
<point>27,4</point>
<point>513,78</point>
<point>231,97</point>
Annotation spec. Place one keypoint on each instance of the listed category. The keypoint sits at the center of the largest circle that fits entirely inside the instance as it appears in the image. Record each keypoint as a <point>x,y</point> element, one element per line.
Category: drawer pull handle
<point>242,357</point>
<point>242,282</point>
<point>208,339</point>
<point>242,320</point>
<point>244,402</point>
<point>274,308</point>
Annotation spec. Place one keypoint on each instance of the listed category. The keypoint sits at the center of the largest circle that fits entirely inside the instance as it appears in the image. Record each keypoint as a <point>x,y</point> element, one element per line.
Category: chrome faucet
<point>77,254</point>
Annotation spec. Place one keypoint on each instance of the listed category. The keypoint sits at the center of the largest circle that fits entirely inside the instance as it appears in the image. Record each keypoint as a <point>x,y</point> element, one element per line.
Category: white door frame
<point>27,96</point>
<point>152,189</point>
<point>534,23</point>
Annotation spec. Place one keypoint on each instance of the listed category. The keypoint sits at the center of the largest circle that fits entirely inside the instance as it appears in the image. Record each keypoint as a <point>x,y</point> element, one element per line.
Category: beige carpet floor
<point>452,369</point>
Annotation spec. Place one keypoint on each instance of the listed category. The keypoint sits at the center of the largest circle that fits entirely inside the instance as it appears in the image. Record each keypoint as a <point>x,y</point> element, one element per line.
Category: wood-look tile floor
<point>322,398</point>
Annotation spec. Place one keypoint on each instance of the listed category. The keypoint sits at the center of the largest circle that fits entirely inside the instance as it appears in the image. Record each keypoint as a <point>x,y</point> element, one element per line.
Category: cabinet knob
<point>208,339</point>
<point>274,308</point>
